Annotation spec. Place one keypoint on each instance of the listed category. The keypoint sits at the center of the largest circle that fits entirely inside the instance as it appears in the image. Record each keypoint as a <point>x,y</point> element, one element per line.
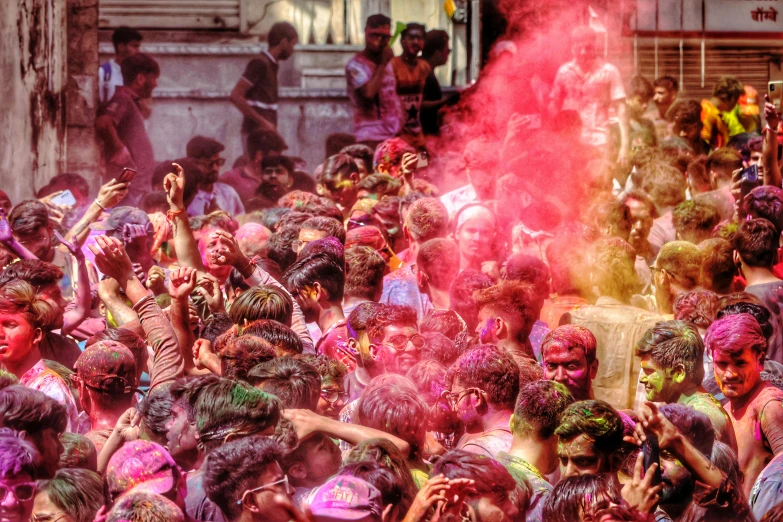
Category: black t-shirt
<point>429,117</point>
<point>261,74</point>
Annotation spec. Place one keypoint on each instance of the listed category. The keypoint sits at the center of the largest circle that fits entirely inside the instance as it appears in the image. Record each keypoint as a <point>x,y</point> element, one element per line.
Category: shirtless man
<point>755,407</point>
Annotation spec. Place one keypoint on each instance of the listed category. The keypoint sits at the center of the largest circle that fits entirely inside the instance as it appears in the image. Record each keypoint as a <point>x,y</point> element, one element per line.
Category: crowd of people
<point>370,341</point>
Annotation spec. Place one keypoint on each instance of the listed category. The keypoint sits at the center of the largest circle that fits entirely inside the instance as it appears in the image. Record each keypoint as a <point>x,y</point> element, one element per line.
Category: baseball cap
<point>120,216</point>
<point>346,498</point>
<point>141,465</point>
<point>107,366</point>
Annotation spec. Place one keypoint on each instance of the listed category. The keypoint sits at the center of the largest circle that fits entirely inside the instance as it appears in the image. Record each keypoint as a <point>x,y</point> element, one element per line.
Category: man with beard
<point>212,195</point>
<point>317,282</point>
<point>181,432</point>
<point>755,407</point>
<point>672,355</point>
<point>394,338</point>
<point>121,126</point>
<point>693,487</point>
<point>568,354</point>
<point>589,437</point>
<point>483,388</point>
<point>246,179</point>
<point>277,177</point>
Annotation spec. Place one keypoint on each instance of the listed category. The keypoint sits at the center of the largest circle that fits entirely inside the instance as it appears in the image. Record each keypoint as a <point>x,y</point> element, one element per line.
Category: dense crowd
<point>403,333</point>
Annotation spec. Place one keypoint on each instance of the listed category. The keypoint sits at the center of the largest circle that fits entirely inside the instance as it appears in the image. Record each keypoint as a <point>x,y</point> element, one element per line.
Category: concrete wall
<point>32,68</point>
<point>306,118</point>
<point>81,90</point>
<point>196,79</point>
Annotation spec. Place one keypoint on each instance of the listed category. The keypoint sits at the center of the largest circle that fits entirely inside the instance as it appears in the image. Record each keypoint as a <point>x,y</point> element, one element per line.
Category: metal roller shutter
<point>173,14</point>
<point>749,65</point>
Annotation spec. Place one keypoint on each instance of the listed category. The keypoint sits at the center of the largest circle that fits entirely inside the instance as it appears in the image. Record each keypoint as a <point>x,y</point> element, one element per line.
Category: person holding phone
<point>372,88</point>
<point>121,126</point>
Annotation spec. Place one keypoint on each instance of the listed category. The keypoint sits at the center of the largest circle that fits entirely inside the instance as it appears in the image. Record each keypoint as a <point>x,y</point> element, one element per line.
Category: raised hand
<point>128,425</point>
<point>111,258</point>
<point>156,280</point>
<point>639,493</point>
<point>5,228</point>
<point>653,422</point>
<point>208,287</point>
<point>409,163</point>
<point>112,193</point>
<point>229,253</point>
<point>72,247</point>
<point>771,113</point>
<point>434,490</point>
<point>174,185</point>
<point>182,281</point>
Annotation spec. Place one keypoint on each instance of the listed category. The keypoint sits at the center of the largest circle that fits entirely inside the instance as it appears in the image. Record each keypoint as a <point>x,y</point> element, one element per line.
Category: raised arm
<point>254,276</point>
<point>167,362</point>
<point>371,89</point>
<point>83,297</point>
<point>769,156</point>
<point>110,195</point>
<point>7,238</point>
<point>182,281</point>
<point>653,422</point>
<point>184,242</point>
<point>307,422</point>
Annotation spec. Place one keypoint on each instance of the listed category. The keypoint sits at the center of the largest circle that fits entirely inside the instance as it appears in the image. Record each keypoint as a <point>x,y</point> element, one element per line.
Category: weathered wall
<point>32,68</point>
<point>196,79</point>
<point>81,90</point>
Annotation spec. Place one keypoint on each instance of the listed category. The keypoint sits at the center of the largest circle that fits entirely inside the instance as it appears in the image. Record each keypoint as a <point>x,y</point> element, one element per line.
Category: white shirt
<point>224,196</point>
<point>107,83</point>
<point>591,94</point>
<point>456,199</point>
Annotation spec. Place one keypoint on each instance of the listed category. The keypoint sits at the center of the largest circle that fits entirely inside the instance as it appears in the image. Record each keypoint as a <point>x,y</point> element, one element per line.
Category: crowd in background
<point>567,309</point>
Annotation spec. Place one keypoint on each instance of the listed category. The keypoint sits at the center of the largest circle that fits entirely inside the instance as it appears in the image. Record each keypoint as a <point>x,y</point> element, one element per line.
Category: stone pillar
<point>81,90</point>
<point>32,68</point>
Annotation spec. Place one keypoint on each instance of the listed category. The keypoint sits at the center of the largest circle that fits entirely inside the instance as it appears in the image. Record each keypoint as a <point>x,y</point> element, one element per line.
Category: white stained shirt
<point>591,94</point>
<point>108,80</point>
<point>224,196</point>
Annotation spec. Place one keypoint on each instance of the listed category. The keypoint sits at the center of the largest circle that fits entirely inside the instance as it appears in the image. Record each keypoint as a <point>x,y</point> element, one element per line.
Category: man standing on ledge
<point>372,88</point>
<point>255,94</point>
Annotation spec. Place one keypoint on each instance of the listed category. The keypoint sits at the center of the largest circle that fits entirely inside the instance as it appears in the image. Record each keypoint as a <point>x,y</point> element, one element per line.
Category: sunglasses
<point>273,485</point>
<point>454,398</point>
<point>400,342</point>
<point>22,492</point>
<point>332,396</point>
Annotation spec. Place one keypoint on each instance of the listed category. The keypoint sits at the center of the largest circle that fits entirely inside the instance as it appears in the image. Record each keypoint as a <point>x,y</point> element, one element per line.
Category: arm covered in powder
<point>167,363</point>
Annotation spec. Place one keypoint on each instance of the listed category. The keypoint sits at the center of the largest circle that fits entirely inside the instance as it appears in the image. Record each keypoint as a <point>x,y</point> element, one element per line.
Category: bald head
<point>252,239</point>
